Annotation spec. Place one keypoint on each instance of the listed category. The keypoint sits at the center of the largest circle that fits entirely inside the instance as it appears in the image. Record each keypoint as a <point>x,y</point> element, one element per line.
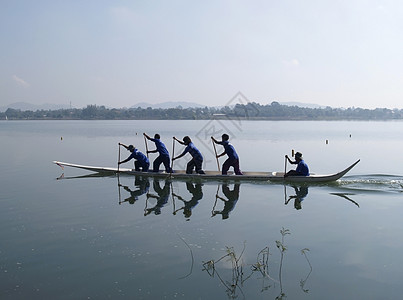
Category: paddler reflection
<point>300,193</point>
<point>229,203</point>
<point>142,185</point>
<point>197,193</point>
<point>162,196</point>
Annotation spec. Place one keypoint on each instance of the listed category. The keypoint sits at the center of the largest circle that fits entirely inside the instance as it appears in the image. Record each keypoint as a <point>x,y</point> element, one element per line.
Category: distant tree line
<point>251,111</point>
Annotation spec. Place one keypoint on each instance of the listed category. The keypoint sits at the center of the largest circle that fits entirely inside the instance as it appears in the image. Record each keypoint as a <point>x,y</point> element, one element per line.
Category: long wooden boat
<point>215,175</point>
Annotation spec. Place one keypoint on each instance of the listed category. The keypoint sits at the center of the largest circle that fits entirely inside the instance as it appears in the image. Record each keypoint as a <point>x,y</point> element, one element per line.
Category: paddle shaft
<point>118,176</point>
<point>285,165</point>
<point>118,157</point>
<point>173,154</point>
<point>145,141</point>
<point>215,151</point>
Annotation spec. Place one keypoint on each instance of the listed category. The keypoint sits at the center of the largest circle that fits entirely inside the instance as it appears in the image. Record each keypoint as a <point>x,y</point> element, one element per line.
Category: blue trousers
<point>143,166</point>
<point>194,163</point>
<point>231,163</point>
<point>162,160</point>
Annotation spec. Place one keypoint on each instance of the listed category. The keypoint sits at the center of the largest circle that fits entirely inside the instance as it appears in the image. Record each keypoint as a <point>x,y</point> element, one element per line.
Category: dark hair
<point>187,140</point>
<point>157,136</point>
<point>298,154</point>
<point>130,147</point>
<point>225,137</point>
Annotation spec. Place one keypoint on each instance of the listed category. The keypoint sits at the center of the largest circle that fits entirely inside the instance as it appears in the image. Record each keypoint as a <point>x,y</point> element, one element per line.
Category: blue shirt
<point>302,168</point>
<point>161,147</point>
<point>136,154</point>
<point>192,150</point>
<point>229,150</point>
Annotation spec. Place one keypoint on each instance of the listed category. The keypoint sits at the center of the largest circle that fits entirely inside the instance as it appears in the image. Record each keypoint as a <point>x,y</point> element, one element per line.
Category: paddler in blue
<point>141,161</point>
<point>232,160</point>
<point>163,158</point>
<point>197,158</point>
<point>302,168</point>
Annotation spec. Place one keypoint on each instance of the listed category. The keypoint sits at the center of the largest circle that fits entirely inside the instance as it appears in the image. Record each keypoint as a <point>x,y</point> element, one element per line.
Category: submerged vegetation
<point>250,111</point>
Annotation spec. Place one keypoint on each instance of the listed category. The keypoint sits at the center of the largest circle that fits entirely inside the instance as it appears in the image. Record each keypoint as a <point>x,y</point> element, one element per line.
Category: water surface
<point>71,236</point>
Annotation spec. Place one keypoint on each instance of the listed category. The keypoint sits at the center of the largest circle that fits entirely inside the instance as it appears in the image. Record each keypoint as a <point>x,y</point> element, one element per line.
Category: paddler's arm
<point>222,154</point>
<point>146,135</point>
<point>179,141</point>
<point>214,140</point>
<point>127,147</point>
<point>180,155</point>
<point>124,161</point>
<point>290,161</point>
<point>221,198</point>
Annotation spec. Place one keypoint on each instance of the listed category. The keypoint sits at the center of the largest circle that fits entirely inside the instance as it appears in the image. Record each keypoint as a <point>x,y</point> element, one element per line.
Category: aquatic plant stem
<point>191,254</point>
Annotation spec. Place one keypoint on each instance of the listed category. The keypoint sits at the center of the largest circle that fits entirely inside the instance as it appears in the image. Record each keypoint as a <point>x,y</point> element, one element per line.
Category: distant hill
<point>170,104</point>
<point>23,106</point>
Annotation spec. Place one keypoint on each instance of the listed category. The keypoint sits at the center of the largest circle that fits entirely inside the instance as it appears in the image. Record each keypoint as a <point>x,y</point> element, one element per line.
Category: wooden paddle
<point>285,164</point>
<point>173,154</point>
<point>145,141</point>
<point>118,175</point>
<point>215,151</point>
<point>215,202</point>
<point>118,157</point>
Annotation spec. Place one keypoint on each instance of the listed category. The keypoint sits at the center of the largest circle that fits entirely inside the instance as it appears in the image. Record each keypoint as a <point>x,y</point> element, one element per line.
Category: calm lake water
<point>67,235</point>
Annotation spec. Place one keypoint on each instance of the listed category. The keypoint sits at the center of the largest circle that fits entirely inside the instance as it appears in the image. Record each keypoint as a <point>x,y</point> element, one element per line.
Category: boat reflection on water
<point>168,191</point>
<point>230,201</point>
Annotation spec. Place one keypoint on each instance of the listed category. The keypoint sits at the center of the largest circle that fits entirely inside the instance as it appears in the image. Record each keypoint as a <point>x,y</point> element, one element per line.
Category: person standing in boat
<point>163,158</point>
<point>141,161</point>
<point>197,158</point>
<point>233,159</point>
<point>302,168</point>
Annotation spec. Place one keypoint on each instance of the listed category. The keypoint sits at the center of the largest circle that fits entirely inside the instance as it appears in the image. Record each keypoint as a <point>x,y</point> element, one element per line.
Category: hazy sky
<point>118,53</point>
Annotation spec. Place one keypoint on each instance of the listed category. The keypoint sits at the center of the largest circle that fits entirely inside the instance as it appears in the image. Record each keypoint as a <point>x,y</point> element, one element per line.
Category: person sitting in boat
<point>163,158</point>
<point>233,159</point>
<point>140,160</point>
<point>302,168</point>
<point>197,158</point>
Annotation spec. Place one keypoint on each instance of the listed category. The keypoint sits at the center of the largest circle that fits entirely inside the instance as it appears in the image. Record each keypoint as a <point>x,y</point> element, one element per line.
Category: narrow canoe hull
<point>215,175</point>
